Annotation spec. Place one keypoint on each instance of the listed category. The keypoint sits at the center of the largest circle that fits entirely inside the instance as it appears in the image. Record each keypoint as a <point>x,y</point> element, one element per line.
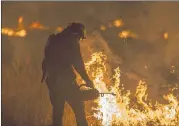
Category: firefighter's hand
<point>96,92</point>
<point>89,83</point>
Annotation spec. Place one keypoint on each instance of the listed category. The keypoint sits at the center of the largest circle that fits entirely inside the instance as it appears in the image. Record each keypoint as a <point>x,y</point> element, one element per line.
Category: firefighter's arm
<point>79,66</point>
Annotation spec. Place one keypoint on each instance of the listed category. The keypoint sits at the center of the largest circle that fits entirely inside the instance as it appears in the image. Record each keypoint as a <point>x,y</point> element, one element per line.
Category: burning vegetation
<point>125,108</point>
<point>22,32</point>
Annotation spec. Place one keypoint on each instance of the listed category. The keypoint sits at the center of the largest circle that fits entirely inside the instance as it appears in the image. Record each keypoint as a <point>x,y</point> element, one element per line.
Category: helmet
<point>78,28</point>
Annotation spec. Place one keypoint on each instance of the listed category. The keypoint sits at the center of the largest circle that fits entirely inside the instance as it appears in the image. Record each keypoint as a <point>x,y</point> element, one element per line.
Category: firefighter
<point>62,57</point>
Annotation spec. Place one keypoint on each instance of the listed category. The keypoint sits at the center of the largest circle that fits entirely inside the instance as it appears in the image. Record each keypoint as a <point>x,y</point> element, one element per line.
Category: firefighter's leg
<point>57,102</point>
<point>79,110</point>
<point>57,108</point>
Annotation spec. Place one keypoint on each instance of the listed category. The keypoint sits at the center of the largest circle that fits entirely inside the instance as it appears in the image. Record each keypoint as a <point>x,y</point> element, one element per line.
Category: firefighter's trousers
<point>61,90</point>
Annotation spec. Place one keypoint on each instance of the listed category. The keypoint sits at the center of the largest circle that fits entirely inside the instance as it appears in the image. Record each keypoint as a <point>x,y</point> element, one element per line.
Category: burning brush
<point>120,110</point>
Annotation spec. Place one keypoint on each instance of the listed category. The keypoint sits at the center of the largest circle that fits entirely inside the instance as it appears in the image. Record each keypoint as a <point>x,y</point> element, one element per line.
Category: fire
<point>118,23</point>
<point>20,23</point>
<point>59,29</point>
<point>37,25</point>
<point>165,35</point>
<point>20,20</point>
<point>11,32</point>
<point>124,108</point>
<point>20,31</point>
<point>7,31</point>
<point>127,34</point>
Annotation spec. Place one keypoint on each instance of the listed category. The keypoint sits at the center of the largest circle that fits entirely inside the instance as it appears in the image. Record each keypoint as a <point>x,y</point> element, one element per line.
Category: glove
<point>89,83</point>
<point>96,92</point>
<point>87,93</point>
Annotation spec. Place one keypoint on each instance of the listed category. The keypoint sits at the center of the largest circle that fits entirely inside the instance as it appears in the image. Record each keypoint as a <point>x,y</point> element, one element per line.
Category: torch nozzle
<point>102,94</point>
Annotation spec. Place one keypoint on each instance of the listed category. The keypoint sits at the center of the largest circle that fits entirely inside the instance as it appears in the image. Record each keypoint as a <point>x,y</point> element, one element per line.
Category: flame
<point>127,34</point>
<point>7,31</point>
<point>37,25</point>
<point>165,35</point>
<point>20,20</point>
<point>11,32</point>
<point>59,29</point>
<point>124,108</point>
<point>20,31</point>
<point>118,23</point>
<point>20,23</point>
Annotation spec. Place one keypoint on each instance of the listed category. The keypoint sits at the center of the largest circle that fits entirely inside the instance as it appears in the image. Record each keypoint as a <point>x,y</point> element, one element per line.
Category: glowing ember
<point>120,109</point>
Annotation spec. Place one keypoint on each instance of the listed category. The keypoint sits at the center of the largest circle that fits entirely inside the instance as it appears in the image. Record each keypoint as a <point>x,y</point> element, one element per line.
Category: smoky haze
<point>25,100</point>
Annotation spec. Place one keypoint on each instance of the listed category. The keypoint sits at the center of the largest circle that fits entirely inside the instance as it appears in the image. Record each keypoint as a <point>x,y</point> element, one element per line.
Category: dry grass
<point>25,101</point>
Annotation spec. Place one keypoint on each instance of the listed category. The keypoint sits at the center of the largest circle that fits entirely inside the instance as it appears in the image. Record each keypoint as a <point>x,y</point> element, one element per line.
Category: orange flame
<point>11,32</point>
<point>127,34</point>
<point>20,31</point>
<point>118,23</point>
<point>37,25</point>
<point>165,35</point>
<point>59,29</point>
<point>119,110</point>
<point>20,20</point>
<point>20,23</point>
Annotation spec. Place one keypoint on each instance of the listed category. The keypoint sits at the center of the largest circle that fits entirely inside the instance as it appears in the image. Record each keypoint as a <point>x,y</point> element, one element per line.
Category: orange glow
<point>102,28</point>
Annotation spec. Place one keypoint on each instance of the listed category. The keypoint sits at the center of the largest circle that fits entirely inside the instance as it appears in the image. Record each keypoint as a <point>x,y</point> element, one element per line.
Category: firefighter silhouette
<point>62,56</point>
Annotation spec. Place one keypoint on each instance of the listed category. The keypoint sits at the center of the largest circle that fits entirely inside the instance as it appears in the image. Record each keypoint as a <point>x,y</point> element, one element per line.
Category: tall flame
<point>20,23</point>
<point>123,109</point>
